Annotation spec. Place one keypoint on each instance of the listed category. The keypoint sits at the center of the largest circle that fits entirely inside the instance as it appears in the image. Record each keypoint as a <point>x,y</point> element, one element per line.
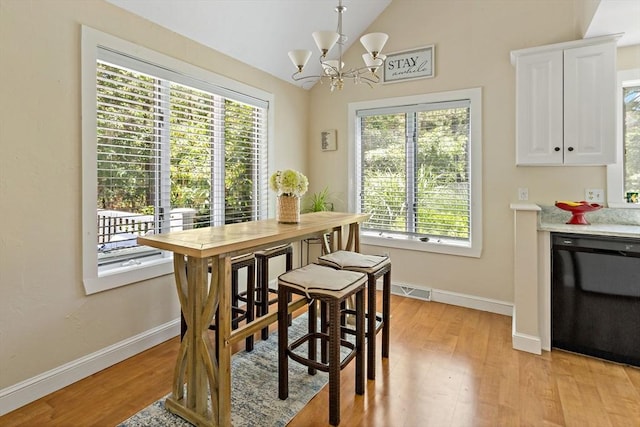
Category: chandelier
<point>333,70</point>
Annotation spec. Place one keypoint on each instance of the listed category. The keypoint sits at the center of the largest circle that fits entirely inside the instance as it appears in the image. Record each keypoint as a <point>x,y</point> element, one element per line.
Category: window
<point>417,171</point>
<point>631,142</point>
<point>168,148</point>
<point>623,177</point>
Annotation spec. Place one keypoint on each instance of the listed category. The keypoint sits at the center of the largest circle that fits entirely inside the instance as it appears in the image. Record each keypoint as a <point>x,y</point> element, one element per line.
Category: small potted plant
<point>289,186</point>
<point>319,202</point>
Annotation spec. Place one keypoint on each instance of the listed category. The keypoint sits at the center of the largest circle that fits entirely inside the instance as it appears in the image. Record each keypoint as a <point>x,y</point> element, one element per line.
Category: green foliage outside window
<point>132,119</point>
<point>415,172</point>
<point>631,96</point>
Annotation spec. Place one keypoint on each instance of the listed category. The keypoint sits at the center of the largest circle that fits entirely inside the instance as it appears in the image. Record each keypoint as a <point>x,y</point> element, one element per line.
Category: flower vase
<point>288,209</point>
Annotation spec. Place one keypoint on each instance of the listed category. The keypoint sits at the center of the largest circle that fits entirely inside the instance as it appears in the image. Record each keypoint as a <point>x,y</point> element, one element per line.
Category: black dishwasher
<point>595,296</point>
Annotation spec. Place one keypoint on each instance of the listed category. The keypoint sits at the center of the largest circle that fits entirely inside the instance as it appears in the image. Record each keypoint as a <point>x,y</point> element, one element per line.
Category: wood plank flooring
<point>449,366</point>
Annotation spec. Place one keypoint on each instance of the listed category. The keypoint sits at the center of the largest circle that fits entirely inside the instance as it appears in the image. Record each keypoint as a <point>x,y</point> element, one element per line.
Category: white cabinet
<point>565,103</point>
<point>539,131</point>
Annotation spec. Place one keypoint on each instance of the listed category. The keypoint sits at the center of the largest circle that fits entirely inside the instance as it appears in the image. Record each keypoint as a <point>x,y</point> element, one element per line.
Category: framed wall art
<point>328,140</point>
<point>409,64</point>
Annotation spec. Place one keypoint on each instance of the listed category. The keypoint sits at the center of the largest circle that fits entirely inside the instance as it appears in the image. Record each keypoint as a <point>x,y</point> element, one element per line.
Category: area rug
<point>254,383</point>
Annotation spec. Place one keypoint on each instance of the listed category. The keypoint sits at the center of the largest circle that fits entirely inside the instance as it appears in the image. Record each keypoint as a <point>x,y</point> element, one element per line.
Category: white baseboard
<point>524,342</point>
<point>472,301</point>
<point>32,389</point>
<point>452,298</point>
<point>528,343</point>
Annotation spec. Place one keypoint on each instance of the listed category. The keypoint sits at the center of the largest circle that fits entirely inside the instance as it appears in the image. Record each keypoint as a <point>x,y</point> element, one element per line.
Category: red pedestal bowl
<point>578,209</point>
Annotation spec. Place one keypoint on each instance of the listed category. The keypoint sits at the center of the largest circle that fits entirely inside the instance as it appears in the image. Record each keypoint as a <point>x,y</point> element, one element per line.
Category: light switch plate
<point>523,193</point>
<point>594,195</point>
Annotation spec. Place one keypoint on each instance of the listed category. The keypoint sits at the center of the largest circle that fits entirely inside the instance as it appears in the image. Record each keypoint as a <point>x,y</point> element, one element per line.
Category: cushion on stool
<point>354,261</point>
<point>316,279</point>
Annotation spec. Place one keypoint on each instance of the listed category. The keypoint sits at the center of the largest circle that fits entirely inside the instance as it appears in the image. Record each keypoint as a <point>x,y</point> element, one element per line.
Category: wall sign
<point>409,65</point>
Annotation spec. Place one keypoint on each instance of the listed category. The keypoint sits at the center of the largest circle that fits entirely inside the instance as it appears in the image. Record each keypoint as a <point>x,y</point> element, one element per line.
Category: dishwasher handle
<point>606,245</point>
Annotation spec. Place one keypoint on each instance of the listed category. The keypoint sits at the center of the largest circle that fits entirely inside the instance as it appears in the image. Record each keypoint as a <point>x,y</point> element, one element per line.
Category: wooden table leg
<point>196,373</point>
<point>224,332</point>
<point>353,240</point>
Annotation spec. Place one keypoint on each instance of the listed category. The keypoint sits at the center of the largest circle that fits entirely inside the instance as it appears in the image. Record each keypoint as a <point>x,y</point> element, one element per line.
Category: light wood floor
<point>449,366</point>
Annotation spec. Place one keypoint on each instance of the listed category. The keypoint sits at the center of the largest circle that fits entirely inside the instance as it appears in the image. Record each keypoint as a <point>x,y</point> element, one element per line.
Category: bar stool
<point>238,314</point>
<point>262,301</point>
<point>331,287</point>
<point>374,267</point>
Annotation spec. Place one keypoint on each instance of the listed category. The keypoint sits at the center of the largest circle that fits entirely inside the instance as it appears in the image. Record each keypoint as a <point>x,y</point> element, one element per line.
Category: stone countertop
<point>603,222</point>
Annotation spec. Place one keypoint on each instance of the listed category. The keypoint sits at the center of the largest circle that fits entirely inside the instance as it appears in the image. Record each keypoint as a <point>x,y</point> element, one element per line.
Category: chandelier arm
<point>296,77</point>
<point>361,73</point>
<point>370,80</point>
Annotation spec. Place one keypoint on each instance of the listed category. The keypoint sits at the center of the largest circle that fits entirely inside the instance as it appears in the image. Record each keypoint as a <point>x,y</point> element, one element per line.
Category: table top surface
<point>239,237</point>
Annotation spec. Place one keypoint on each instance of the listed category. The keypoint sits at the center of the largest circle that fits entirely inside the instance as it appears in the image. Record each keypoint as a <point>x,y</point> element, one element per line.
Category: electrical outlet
<point>594,195</point>
<point>523,194</point>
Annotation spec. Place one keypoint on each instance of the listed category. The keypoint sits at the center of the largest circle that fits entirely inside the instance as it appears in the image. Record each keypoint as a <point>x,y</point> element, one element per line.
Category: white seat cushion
<point>354,261</point>
<point>317,279</point>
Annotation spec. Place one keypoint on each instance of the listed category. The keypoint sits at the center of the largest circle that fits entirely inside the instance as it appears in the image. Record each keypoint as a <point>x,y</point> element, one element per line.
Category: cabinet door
<point>539,109</point>
<point>589,104</point>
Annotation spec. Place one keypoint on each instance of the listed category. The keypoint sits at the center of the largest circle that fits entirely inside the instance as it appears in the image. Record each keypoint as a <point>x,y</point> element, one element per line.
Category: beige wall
<point>629,57</point>
<point>45,318</point>
<point>473,41</point>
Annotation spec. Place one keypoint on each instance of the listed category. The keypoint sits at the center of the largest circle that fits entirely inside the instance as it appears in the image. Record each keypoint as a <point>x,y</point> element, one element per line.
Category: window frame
<point>615,171</point>
<point>474,95</point>
<point>91,40</point>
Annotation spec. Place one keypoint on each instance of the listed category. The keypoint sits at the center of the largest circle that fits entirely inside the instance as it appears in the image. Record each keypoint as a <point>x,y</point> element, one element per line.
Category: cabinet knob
<point>556,149</point>
<point>570,148</point>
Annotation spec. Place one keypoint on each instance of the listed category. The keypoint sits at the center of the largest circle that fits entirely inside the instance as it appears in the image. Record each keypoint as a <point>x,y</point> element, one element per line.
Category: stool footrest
<point>324,367</point>
<point>348,330</point>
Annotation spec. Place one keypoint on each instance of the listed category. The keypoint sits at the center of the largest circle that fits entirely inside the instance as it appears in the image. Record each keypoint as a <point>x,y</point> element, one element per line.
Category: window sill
<point>127,275</point>
<point>441,246</point>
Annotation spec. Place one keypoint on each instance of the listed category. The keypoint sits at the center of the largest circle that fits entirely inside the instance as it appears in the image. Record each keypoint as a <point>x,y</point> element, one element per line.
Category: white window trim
<point>615,171</point>
<point>163,265</point>
<point>475,97</point>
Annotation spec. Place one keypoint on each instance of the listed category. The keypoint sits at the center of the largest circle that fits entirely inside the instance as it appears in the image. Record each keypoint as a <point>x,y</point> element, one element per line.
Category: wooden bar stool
<point>374,267</point>
<point>240,313</point>
<point>331,287</point>
<point>263,291</point>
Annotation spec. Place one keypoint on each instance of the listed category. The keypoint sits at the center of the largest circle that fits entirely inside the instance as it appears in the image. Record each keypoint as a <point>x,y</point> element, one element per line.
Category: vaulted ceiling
<point>261,32</point>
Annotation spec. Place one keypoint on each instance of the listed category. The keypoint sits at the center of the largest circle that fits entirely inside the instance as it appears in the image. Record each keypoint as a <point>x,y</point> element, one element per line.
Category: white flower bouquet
<point>289,183</point>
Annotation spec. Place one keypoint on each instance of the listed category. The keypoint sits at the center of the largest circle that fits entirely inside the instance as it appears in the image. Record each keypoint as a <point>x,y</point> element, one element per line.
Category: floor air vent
<point>406,291</point>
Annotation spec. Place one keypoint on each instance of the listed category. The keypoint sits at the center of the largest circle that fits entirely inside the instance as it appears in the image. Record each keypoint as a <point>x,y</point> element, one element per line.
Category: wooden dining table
<point>201,390</point>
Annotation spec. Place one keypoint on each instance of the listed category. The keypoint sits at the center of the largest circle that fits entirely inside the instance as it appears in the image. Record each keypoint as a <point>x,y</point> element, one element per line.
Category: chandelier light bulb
<point>373,63</point>
<point>300,57</point>
<point>374,42</point>
<point>325,40</point>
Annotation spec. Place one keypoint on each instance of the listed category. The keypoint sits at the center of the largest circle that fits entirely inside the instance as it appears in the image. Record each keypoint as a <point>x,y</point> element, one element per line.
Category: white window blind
<point>415,178</point>
<point>631,142</point>
<point>623,176</point>
<point>173,153</point>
